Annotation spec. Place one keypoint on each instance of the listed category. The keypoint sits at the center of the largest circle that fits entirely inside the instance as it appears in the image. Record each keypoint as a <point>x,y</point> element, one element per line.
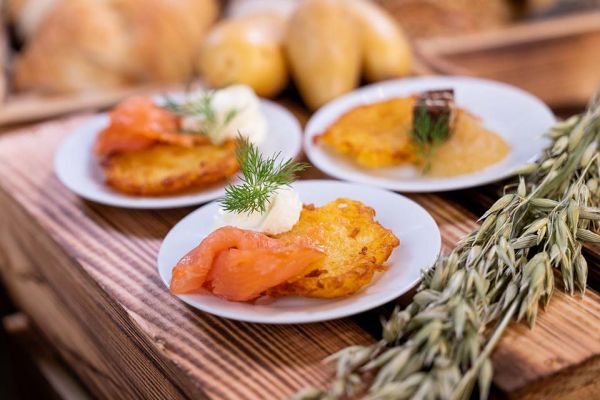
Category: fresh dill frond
<point>201,107</point>
<point>170,104</point>
<point>261,177</point>
<point>231,114</point>
<point>429,134</point>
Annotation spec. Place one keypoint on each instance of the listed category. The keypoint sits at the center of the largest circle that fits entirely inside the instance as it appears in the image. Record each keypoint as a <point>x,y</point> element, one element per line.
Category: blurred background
<point>64,56</point>
<point>60,56</point>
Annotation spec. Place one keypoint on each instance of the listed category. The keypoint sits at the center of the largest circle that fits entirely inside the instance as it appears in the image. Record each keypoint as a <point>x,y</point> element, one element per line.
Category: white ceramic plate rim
<point>75,152</point>
<point>341,168</point>
<point>337,189</point>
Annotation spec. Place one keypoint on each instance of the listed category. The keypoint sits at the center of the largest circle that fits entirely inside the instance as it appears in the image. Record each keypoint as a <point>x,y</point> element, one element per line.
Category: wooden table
<point>86,275</point>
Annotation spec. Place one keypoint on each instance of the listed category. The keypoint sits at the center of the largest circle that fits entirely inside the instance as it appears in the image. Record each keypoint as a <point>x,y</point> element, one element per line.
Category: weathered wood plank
<point>559,359</point>
<point>116,249</point>
<point>74,313</point>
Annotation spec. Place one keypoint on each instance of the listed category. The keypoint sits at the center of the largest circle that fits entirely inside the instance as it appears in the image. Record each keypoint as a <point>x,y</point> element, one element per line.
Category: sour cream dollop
<point>282,214</point>
<point>237,112</point>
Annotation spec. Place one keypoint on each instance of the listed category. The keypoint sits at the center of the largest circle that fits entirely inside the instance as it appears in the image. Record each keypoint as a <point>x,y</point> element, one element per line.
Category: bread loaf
<point>324,49</point>
<point>386,50</point>
<point>79,45</point>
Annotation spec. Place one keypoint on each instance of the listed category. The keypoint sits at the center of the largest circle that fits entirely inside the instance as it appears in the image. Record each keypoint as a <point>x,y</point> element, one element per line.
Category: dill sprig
<point>429,135</point>
<point>203,108</point>
<point>261,177</point>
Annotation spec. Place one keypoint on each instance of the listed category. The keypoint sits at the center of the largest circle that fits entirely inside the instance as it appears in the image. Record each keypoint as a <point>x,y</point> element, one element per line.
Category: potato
<point>166,169</point>
<point>246,50</point>
<point>386,49</point>
<point>324,50</point>
<point>356,247</point>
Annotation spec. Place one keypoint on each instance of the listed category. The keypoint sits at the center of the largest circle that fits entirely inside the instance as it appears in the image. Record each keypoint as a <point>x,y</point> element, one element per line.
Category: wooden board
<point>22,108</point>
<point>558,59</point>
<point>86,275</point>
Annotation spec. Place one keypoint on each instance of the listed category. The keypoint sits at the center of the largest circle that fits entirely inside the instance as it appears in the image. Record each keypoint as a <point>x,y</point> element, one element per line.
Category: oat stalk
<point>528,244</point>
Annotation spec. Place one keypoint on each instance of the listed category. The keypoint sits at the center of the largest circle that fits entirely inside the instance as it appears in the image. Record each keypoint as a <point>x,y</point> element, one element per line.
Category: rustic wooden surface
<point>557,59</point>
<point>86,275</point>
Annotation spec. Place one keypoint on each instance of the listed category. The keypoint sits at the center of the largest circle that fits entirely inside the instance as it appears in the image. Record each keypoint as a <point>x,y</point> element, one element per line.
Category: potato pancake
<point>374,135</point>
<point>379,135</point>
<point>166,169</point>
<point>356,246</point>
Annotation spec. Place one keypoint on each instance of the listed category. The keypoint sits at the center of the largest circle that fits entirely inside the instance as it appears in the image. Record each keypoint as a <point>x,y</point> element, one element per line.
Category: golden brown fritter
<point>356,246</point>
<point>374,135</point>
<point>166,169</point>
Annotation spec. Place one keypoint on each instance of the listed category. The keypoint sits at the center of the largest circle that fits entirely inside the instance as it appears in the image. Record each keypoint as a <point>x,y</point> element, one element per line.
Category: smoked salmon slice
<point>138,123</point>
<point>242,275</point>
<point>239,265</point>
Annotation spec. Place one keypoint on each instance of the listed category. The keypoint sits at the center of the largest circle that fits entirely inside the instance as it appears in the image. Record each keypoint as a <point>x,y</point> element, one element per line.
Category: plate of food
<point>172,151</point>
<point>273,251</point>
<point>428,134</point>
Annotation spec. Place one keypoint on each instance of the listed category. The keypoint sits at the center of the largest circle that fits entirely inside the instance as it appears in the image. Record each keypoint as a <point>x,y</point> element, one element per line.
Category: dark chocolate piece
<point>439,107</point>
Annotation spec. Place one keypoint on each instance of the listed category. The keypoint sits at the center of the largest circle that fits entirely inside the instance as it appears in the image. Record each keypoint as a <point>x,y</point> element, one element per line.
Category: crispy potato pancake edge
<point>373,135</point>
<point>169,169</point>
<point>356,245</point>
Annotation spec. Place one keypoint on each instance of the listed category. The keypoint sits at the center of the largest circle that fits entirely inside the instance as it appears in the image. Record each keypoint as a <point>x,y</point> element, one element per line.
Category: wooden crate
<point>558,59</point>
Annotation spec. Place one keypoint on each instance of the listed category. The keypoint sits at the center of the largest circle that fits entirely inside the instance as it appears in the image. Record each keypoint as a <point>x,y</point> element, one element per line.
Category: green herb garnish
<point>261,177</point>
<point>429,134</point>
<point>203,108</point>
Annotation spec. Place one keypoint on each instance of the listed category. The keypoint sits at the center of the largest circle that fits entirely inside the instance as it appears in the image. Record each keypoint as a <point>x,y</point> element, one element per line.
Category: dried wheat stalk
<point>439,346</point>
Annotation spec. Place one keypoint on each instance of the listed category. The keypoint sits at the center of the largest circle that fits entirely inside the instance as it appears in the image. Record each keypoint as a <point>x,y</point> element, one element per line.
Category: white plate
<point>78,169</point>
<point>419,247</point>
<point>519,117</point>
